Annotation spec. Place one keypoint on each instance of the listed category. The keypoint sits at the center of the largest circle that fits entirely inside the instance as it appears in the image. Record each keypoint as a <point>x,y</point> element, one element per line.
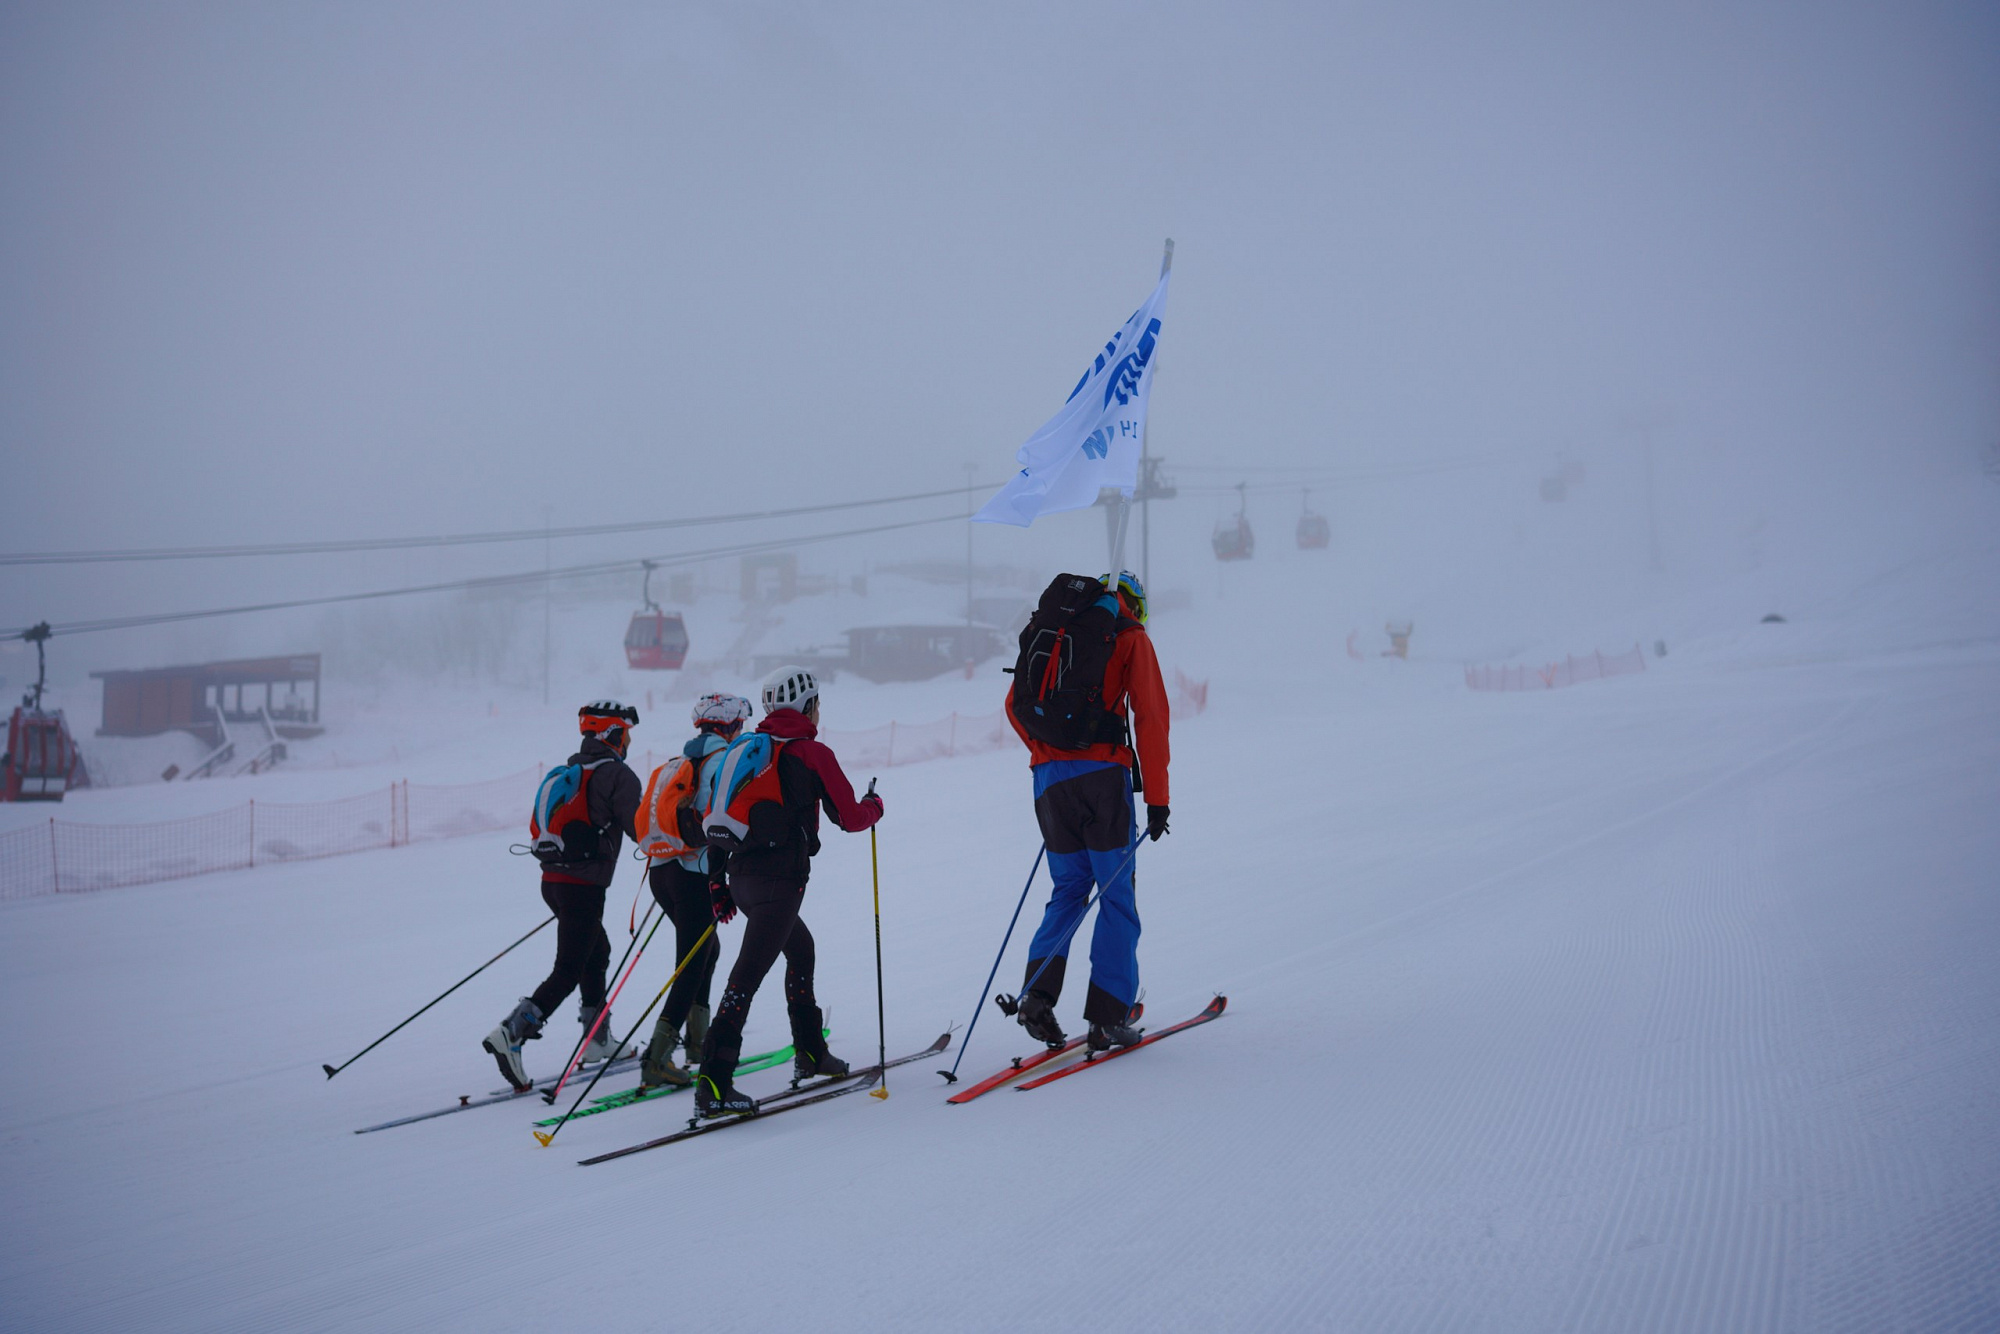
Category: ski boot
<point>603,1045</point>
<point>1036,1012</point>
<point>1103,1037</point>
<point>826,1064</point>
<point>523,1025</point>
<point>810,1058</point>
<point>725,1101</point>
<point>657,1068</point>
<point>697,1036</point>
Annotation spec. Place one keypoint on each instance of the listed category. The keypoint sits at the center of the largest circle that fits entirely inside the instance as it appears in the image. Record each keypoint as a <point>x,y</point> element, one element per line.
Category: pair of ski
<point>466,1102</point>
<point>799,1095</point>
<point>631,1097</point>
<point>1023,1065</point>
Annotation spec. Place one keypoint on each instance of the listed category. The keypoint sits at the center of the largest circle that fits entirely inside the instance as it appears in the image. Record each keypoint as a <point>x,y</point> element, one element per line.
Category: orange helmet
<point>608,721</point>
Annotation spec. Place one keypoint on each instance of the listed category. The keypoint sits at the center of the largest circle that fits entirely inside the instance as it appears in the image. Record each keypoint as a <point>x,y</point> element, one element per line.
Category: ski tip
<point>880,1093</point>
<point>545,1138</point>
<point>330,1071</point>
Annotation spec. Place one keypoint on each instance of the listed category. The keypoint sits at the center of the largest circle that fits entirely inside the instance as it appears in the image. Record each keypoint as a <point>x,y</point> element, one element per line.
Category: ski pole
<point>699,945</point>
<point>979,1006</point>
<point>577,1050</point>
<point>332,1070</point>
<point>602,1011</point>
<point>881,1022</point>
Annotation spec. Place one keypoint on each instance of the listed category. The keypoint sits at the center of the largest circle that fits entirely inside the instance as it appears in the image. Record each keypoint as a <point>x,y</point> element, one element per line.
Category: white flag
<point>1094,441</point>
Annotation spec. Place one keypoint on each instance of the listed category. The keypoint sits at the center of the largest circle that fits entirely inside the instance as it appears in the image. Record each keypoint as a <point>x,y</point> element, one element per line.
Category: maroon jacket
<point>811,778</point>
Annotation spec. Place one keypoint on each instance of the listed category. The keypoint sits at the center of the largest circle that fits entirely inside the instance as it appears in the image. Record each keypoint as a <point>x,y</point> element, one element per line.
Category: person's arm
<point>1151,716</point>
<point>1015,723</point>
<point>836,793</point>
<point>626,794</point>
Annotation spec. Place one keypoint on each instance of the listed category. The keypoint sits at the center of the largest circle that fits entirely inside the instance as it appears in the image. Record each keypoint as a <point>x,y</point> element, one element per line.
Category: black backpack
<point>1058,691</point>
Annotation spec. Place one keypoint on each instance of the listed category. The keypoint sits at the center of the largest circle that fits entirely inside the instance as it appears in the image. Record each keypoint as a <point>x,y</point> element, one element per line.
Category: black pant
<point>683,896</point>
<point>583,951</point>
<point>771,926</point>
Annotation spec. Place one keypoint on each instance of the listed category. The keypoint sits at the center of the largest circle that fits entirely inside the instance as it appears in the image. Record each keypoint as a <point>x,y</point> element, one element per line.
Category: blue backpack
<point>559,828</point>
<point>745,802</point>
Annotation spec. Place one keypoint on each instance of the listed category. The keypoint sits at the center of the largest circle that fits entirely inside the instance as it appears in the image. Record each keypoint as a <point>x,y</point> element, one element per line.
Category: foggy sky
<point>283,272</point>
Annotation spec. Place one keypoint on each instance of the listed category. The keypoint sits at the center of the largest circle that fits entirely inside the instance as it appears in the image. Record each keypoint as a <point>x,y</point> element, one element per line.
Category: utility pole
<point>1151,488</point>
<point>1652,504</point>
<point>1124,513</point>
<point>548,519</point>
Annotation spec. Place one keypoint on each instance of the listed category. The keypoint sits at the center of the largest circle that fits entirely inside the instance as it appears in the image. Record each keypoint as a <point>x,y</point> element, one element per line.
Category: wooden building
<point>193,698</point>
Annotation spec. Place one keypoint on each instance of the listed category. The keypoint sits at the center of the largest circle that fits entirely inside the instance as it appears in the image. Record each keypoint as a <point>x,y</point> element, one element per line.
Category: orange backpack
<point>657,827</point>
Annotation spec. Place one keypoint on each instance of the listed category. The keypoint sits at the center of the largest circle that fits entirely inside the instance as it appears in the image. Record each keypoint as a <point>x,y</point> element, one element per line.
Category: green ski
<point>628,1097</point>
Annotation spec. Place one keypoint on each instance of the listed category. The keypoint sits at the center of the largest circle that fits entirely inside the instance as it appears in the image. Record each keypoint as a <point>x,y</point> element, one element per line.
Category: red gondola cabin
<point>656,641</point>
<point>42,761</point>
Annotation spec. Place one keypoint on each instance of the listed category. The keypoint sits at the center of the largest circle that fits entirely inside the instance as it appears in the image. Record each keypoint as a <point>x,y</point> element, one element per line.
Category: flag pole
<point>1125,502</point>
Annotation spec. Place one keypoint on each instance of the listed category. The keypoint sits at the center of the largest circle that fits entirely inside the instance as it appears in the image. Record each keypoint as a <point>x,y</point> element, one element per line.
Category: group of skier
<point>732,825</point>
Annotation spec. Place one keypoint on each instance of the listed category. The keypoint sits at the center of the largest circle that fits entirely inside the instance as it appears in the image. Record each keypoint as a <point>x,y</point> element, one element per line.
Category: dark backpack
<point>1058,694</point>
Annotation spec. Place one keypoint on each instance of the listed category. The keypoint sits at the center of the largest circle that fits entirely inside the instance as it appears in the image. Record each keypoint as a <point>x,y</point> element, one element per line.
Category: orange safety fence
<point>1555,675</point>
<point>894,744</point>
<point>913,743</point>
<point>68,857</point>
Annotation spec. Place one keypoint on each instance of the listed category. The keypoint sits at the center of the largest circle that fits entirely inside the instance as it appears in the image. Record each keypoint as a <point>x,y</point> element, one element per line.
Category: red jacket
<point>1132,677</point>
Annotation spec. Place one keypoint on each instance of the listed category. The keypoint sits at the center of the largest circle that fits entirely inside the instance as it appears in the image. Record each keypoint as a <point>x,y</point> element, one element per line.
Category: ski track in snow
<point>1688,1024</point>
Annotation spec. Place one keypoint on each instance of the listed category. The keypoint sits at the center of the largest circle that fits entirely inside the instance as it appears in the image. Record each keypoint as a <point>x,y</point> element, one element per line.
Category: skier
<point>680,884</point>
<point>1083,795</point>
<point>586,833</point>
<point>774,817</point>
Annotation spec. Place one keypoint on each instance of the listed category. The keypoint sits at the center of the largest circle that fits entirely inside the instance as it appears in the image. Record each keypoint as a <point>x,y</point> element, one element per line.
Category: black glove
<point>875,797</point>
<point>720,903</point>
<point>1156,822</point>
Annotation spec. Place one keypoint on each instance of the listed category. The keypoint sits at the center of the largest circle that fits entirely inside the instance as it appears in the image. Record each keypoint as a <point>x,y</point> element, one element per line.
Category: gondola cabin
<point>41,762</point>
<point>1314,532</point>
<point>656,641</point>
<point>1233,538</point>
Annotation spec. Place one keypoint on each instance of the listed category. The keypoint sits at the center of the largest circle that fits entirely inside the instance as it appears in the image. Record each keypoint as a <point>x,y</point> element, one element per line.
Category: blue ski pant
<point>1085,811</point>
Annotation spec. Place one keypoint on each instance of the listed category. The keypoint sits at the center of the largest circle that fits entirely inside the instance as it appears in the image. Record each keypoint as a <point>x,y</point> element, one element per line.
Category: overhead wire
<point>483,581</point>
<point>140,554</point>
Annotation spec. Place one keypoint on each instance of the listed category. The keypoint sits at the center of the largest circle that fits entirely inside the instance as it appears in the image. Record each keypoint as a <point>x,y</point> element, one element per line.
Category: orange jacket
<point>1132,677</point>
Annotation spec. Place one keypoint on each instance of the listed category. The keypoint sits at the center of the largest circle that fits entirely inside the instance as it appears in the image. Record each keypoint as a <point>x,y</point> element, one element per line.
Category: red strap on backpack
<point>1052,671</point>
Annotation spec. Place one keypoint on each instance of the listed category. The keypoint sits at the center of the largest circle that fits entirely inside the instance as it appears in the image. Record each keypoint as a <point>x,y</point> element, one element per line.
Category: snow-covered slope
<point>1658,1003</point>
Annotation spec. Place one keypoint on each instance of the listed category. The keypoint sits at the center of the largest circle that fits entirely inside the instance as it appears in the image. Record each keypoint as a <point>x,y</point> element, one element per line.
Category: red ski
<point>1214,1011</point>
<point>1022,1064</point>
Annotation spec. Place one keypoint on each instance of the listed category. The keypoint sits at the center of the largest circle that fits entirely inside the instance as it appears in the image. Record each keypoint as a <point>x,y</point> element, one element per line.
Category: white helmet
<point>789,688</point>
<point>720,709</point>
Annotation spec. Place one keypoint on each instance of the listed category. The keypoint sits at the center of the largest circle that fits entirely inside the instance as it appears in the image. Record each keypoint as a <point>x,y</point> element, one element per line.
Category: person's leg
<point>660,880</point>
<point>1073,814</point>
<point>667,881</point>
<point>598,961</point>
<point>810,1056</point>
<point>1114,942</point>
<point>1071,873</point>
<point>579,911</point>
<point>692,915</point>
<point>769,911</point>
